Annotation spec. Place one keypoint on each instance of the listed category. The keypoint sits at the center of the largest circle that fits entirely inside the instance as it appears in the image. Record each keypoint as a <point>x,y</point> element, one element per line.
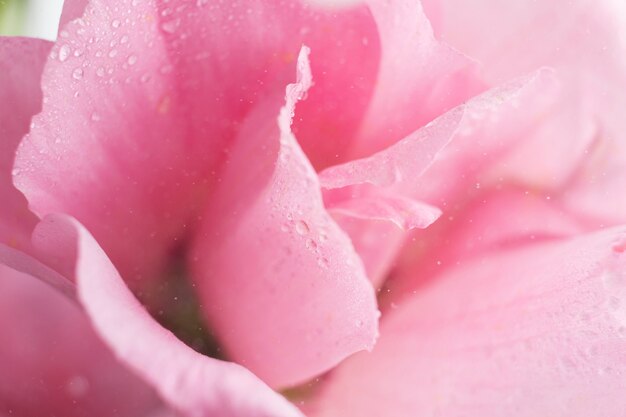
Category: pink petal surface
<point>419,78</point>
<point>489,220</point>
<point>192,384</point>
<point>72,9</point>
<point>52,361</point>
<point>21,65</point>
<point>403,212</point>
<point>143,98</point>
<point>579,148</point>
<point>439,162</point>
<point>301,302</point>
<point>525,332</point>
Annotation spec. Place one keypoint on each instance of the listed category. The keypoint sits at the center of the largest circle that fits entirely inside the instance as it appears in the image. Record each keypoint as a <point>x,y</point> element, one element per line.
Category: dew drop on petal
<point>64,53</point>
<point>77,74</point>
<point>302,228</point>
<point>170,26</point>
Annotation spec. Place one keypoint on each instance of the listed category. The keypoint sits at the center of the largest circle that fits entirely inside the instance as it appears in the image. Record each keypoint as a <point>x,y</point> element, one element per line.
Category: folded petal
<point>489,220</point>
<point>52,361</point>
<point>21,65</point>
<point>403,212</point>
<point>144,99</point>
<point>535,330</point>
<point>419,78</point>
<point>440,162</point>
<point>579,149</point>
<point>300,302</point>
<point>192,384</point>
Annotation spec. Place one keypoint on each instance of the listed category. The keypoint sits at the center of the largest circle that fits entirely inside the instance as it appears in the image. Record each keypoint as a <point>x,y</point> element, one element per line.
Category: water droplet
<point>78,53</point>
<point>113,53</point>
<point>145,78</point>
<point>132,60</point>
<point>359,323</point>
<point>311,244</point>
<point>323,262</point>
<point>170,26</point>
<point>166,69</point>
<point>77,74</point>
<point>284,228</point>
<point>95,117</point>
<point>116,23</point>
<point>77,386</point>
<point>64,53</point>
<point>302,228</point>
<point>100,72</point>
<point>124,39</point>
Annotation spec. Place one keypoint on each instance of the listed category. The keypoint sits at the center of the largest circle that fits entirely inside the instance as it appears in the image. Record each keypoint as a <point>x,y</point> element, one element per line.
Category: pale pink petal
<point>405,160</point>
<point>578,149</point>
<point>419,78</point>
<point>192,384</point>
<point>300,302</point>
<point>488,220</point>
<point>535,331</point>
<point>53,364</point>
<point>441,161</point>
<point>21,65</point>
<point>72,9</point>
<point>403,212</point>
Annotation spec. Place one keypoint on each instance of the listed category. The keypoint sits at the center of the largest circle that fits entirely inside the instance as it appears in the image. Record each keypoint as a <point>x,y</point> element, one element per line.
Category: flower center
<point>173,302</point>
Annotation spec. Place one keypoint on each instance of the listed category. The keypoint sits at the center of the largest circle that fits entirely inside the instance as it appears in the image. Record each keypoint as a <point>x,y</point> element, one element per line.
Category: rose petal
<point>419,78</point>
<point>578,150</point>
<point>489,220</point>
<point>145,98</point>
<point>403,212</point>
<point>192,384</point>
<point>72,9</point>
<point>52,361</point>
<point>526,332</point>
<point>21,65</point>
<point>459,145</point>
<point>301,302</point>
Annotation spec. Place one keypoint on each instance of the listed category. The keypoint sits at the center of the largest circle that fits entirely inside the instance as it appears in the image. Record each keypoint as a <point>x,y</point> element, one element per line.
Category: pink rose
<point>178,237</point>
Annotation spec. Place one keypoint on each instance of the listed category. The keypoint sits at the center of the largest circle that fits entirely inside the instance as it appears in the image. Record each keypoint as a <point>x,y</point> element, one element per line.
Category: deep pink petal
<point>192,384</point>
<point>144,99</point>
<point>300,302</point>
<point>21,65</point>
<point>52,361</point>
<point>535,331</point>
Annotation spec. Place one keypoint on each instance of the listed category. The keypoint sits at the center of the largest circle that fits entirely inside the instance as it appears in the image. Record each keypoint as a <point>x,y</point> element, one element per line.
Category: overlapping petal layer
<point>441,161</point>
<point>21,64</point>
<point>530,331</point>
<point>301,302</point>
<point>579,149</point>
<point>190,383</point>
